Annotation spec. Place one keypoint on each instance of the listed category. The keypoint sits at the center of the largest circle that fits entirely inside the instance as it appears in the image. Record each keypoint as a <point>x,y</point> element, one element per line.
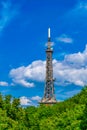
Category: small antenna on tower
<point>48,34</point>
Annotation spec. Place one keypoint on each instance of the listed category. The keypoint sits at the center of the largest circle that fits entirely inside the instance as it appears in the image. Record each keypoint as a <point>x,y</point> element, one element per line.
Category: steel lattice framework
<point>49,97</point>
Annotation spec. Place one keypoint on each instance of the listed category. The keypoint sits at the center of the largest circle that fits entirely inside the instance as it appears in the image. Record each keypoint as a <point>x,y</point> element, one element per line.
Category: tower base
<point>48,101</point>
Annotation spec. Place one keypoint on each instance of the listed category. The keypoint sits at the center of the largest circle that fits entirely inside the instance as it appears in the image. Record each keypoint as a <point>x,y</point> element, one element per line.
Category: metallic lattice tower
<point>49,97</point>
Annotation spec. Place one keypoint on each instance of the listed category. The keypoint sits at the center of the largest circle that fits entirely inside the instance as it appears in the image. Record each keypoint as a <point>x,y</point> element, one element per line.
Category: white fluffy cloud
<point>64,38</point>
<point>3,83</point>
<point>26,75</point>
<point>77,59</point>
<point>25,100</point>
<point>36,98</point>
<point>71,70</point>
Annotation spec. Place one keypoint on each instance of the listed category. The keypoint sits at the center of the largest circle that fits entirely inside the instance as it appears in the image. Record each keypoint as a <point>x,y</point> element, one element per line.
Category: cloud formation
<point>71,70</point>
<point>3,83</point>
<point>65,39</point>
<point>26,75</point>
<point>7,13</point>
<point>36,98</point>
<point>25,101</point>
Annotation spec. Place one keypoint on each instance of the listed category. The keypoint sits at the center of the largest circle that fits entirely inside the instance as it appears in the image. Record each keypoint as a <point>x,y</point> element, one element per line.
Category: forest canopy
<point>70,114</point>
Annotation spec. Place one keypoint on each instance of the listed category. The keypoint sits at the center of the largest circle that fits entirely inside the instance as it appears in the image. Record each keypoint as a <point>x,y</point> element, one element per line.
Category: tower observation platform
<point>49,96</point>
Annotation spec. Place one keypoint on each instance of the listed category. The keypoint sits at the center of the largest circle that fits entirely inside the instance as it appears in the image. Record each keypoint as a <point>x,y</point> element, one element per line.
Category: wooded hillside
<point>68,115</point>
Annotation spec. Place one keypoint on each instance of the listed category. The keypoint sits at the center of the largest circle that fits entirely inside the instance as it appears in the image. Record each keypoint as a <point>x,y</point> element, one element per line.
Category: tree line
<point>70,114</point>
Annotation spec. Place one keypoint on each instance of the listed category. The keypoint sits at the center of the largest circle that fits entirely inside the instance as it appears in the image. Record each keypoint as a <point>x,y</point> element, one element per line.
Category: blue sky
<point>23,37</point>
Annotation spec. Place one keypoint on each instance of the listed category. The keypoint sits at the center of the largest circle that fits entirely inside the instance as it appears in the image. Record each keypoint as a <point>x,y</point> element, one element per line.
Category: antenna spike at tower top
<point>48,32</point>
<point>49,36</point>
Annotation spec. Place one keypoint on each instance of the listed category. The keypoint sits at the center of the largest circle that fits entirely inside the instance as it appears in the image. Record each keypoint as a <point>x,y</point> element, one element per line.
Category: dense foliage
<point>68,115</point>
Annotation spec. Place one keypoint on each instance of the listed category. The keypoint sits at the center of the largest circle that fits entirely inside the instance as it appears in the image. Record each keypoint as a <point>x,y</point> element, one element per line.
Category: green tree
<point>1,101</point>
<point>83,125</point>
